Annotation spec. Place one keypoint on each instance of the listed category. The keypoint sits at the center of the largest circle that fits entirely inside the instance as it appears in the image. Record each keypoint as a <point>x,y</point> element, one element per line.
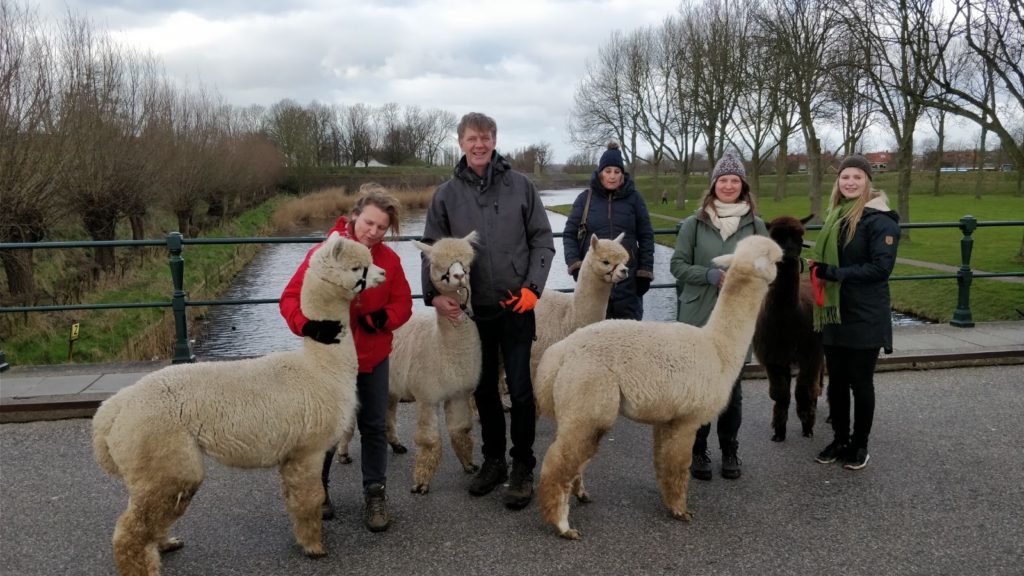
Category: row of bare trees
<point>93,133</point>
<point>754,75</point>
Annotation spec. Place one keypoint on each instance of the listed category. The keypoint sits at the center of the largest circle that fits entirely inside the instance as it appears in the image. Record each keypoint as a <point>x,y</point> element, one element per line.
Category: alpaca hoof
<point>584,497</point>
<point>684,516</point>
<point>471,469</point>
<point>570,534</point>
<point>344,458</point>
<point>420,489</point>
<point>397,448</point>
<point>779,437</point>
<point>315,551</point>
<point>170,545</point>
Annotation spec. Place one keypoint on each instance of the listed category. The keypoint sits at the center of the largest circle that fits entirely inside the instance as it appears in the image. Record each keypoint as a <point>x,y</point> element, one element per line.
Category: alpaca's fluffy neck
<point>590,300</point>
<point>732,322</point>
<point>322,300</point>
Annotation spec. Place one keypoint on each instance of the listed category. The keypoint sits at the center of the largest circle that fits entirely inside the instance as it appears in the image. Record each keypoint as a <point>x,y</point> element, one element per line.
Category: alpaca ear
<point>426,248</point>
<point>723,261</point>
<point>337,244</point>
<point>593,241</point>
<point>472,237</point>
<point>620,237</point>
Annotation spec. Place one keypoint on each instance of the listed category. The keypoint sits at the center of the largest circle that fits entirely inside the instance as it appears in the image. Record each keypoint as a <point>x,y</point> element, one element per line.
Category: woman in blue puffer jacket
<point>611,206</point>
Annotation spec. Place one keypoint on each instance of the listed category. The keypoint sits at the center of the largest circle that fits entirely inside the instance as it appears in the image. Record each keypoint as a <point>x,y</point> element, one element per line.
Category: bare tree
<point>937,119</point>
<point>803,34</point>
<point>30,158</point>
<point>980,36</point>
<point>850,93</point>
<point>358,136</point>
<point>441,125</point>
<point>756,117</point>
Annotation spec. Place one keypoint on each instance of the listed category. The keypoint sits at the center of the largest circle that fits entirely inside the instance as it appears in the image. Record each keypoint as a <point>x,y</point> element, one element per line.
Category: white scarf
<point>726,217</point>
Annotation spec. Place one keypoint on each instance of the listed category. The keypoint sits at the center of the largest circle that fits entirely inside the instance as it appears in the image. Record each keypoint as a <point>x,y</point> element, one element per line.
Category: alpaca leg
<point>459,419</point>
<point>428,447</point>
<point>808,388</point>
<point>303,495</point>
<point>778,391</point>
<point>346,439</point>
<point>575,444</point>
<point>672,456</point>
<point>396,444</point>
<point>141,531</point>
<point>579,490</point>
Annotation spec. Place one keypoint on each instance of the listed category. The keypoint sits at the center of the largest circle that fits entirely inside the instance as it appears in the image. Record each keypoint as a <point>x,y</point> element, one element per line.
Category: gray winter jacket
<point>515,247</point>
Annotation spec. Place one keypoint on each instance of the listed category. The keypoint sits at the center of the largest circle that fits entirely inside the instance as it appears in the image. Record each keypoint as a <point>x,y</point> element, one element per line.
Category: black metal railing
<point>179,301</point>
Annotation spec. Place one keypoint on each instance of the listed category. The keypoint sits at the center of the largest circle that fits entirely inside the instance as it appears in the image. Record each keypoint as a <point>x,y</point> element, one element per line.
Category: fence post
<point>962,315</point>
<point>182,347</point>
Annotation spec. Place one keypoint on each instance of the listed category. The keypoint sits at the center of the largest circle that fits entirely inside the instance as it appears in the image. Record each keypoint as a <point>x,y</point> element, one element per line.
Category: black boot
<point>520,487</point>
<point>493,472</point>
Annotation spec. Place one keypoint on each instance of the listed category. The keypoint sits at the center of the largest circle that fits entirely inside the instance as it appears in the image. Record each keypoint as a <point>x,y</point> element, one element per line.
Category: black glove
<point>824,271</point>
<point>323,331</point>
<point>374,321</point>
<point>643,284</point>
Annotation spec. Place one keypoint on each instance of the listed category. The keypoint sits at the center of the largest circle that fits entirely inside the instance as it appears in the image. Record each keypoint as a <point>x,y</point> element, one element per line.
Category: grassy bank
<point>135,333</point>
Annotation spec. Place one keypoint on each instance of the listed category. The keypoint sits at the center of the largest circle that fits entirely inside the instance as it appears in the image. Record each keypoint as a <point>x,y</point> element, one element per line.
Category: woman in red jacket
<point>375,314</point>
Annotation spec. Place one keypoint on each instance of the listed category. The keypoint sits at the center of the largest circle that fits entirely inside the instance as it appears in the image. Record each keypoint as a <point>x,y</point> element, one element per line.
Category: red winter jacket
<point>394,296</point>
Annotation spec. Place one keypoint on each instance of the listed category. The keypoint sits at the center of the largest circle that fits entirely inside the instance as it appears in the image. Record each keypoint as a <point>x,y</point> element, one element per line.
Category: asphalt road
<point>943,494</point>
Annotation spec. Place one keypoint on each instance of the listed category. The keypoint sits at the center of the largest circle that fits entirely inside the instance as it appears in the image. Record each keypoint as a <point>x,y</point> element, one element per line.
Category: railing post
<point>182,347</point>
<point>962,315</point>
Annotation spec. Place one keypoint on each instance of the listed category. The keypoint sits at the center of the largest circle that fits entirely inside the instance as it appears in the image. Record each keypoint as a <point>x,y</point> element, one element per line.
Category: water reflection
<point>251,330</point>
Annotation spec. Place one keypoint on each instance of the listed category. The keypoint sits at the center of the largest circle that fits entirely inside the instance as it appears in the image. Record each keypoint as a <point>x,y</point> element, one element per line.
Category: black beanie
<point>856,161</point>
<point>611,157</point>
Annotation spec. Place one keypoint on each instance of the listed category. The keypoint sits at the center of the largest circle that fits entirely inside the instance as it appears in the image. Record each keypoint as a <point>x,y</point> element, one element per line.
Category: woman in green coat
<point>725,217</point>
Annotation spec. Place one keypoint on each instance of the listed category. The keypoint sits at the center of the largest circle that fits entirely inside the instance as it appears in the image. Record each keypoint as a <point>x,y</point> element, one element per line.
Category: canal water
<point>251,330</point>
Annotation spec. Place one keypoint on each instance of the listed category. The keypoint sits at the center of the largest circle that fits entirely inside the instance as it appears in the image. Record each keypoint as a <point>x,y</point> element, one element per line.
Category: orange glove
<point>524,302</point>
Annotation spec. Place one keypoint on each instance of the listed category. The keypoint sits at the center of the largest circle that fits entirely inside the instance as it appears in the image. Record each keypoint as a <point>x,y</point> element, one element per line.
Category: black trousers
<point>728,424</point>
<point>372,390</point>
<point>851,370</point>
<point>509,335</point>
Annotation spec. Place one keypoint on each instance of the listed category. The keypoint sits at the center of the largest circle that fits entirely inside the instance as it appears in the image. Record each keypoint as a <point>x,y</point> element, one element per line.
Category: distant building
<point>880,160</point>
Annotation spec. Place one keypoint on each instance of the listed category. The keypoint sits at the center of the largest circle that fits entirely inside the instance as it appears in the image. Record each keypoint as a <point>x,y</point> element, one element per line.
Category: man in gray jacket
<point>513,258</point>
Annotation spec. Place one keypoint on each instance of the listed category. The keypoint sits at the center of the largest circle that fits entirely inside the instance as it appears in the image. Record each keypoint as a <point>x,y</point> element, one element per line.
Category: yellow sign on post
<point>71,339</point>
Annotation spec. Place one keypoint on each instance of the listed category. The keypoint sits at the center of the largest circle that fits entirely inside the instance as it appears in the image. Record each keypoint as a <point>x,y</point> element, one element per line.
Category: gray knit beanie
<point>856,161</point>
<point>728,164</point>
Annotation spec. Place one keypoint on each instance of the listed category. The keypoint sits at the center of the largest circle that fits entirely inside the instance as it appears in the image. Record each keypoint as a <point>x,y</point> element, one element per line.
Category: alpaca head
<point>755,256</point>
<point>450,262</point>
<point>346,264</point>
<point>607,259</point>
<point>788,233</point>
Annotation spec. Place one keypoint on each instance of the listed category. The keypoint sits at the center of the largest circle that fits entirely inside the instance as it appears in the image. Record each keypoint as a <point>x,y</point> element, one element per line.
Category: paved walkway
<point>74,390</point>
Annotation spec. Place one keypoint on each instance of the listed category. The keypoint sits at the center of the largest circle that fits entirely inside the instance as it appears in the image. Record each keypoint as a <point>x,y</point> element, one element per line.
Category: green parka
<point>697,243</point>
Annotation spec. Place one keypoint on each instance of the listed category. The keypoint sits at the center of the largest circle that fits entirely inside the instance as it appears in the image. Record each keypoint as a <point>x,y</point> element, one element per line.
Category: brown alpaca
<point>785,335</point>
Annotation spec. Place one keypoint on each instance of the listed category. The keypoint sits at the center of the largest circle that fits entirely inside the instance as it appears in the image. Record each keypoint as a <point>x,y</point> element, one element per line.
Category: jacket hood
<point>498,167</point>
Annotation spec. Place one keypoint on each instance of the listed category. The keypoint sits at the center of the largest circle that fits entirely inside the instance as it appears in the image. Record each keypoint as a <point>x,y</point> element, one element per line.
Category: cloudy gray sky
<point>518,61</point>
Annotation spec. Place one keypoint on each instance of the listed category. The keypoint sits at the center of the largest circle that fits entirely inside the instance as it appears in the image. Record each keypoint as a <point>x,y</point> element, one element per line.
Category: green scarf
<point>826,251</point>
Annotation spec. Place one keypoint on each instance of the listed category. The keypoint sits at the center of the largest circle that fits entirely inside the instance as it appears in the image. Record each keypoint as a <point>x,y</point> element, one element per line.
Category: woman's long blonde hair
<point>377,195</point>
<point>853,216</point>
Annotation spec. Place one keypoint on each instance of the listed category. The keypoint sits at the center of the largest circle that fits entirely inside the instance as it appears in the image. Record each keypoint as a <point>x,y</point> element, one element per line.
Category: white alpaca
<point>559,314</point>
<point>282,410</point>
<point>435,362</point>
<point>672,375</point>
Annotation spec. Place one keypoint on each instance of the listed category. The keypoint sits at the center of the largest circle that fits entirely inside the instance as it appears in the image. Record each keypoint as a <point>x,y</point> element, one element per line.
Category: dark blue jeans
<point>851,370</point>
<point>728,424</point>
<point>372,390</point>
<point>510,335</point>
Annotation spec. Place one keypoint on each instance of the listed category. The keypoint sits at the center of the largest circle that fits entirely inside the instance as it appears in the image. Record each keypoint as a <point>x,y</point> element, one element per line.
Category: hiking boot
<point>700,466</point>
<point>520,487</point>
<point>493,472</point>
<point>831,453</point>
<point>731,465</point>
<point>327,508</point>
<point>856,459</point>
<point>375,515</point>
